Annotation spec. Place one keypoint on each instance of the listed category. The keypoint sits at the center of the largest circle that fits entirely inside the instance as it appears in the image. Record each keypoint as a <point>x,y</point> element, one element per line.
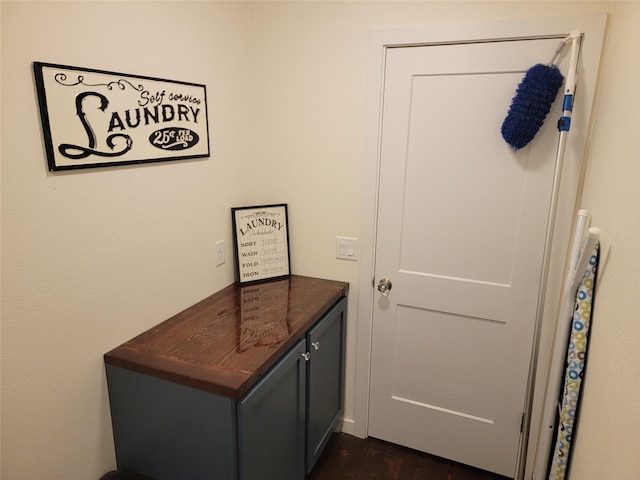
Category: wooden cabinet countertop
<point>226,342</point>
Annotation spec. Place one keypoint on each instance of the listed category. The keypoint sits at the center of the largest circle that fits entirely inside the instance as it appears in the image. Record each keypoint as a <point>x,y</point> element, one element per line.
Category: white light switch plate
<point>347,248</point>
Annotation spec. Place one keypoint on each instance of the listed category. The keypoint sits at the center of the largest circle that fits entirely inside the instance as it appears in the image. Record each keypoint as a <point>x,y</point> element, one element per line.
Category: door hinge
<point>522,423</point>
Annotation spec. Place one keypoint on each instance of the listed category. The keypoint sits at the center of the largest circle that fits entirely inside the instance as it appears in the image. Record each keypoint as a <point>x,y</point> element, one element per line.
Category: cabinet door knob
<point>306,356</point>
<point>316,345</point>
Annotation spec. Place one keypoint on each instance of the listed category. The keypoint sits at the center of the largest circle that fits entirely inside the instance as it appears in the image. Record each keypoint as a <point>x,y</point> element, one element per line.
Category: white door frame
<point>594,25</point>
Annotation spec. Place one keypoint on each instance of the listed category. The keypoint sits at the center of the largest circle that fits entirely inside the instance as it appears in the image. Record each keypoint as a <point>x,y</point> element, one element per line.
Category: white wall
<point>93,257</point>
<point>90,259</point>
<point>608,439</point>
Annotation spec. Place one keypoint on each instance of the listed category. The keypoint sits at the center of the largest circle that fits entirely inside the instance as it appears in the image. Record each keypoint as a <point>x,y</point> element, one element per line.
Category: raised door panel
<point>271,422</point>
<point>325,380</point>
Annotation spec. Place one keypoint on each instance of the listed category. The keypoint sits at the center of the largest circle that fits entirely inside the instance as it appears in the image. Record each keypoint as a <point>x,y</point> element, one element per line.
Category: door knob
<point>384,286</point>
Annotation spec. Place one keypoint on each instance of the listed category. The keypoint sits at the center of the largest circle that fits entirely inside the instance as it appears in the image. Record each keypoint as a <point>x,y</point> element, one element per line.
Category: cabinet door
<point>271,422</point>
<point>325,380</point>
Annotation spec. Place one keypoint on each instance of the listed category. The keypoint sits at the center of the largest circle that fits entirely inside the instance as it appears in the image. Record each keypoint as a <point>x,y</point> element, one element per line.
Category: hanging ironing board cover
<point>570,393</point>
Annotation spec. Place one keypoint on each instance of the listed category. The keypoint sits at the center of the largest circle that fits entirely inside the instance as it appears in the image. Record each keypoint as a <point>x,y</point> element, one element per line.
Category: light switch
<point>347,248</point>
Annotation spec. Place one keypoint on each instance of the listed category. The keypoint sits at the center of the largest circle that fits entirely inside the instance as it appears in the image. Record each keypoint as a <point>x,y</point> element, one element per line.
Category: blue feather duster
<point>531,104</point>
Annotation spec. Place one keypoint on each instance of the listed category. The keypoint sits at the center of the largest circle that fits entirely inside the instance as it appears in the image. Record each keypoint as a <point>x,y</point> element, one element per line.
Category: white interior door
<point>461,230</point>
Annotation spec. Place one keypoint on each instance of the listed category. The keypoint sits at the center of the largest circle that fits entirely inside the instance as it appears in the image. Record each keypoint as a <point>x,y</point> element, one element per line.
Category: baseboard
<point>346,425</point>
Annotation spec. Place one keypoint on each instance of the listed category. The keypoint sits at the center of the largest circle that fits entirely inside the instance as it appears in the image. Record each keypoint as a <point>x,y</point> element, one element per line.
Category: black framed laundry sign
<point>261,236</point>
<point>93,118</point>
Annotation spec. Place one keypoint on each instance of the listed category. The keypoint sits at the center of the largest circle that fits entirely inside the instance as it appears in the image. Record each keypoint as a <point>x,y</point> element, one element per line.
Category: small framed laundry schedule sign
<point>261,240</point>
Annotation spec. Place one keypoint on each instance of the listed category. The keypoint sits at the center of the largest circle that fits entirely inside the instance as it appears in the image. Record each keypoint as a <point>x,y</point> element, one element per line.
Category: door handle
<point>384,286</point>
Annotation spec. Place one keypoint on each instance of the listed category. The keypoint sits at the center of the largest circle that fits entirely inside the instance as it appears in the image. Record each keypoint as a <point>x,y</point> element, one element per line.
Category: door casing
<point>593,26</point>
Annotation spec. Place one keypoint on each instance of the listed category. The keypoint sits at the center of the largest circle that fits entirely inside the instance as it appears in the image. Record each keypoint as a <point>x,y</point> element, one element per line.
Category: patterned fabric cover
<point>574,371</point>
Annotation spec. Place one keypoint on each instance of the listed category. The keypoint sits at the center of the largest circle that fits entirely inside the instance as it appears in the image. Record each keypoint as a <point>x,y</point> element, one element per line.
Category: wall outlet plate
<point>219,252</point>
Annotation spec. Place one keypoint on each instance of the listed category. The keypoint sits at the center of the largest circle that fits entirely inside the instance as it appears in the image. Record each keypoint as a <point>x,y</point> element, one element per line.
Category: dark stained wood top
<point>226,342</point>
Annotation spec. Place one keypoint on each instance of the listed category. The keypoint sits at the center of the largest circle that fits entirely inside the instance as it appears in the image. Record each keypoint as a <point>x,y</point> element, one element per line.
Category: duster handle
<point>564,124</point>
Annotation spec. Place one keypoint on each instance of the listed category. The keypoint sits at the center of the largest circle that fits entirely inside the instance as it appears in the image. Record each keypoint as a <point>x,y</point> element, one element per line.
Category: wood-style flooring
<point>352,458</point>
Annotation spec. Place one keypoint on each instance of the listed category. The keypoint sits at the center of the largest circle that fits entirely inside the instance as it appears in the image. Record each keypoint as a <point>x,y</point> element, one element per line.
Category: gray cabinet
<point>286,420</point>
<point>276,429</point>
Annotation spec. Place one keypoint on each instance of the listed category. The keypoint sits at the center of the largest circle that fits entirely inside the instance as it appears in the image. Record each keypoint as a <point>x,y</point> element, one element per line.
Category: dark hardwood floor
<point>349,457</point>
